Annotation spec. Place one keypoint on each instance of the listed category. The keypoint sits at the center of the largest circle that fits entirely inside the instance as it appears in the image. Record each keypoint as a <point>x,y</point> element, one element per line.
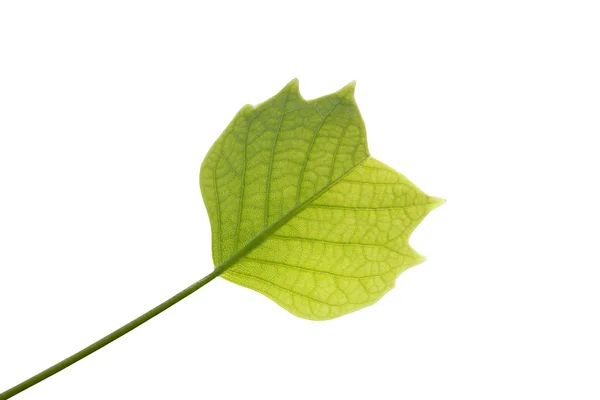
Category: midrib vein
<point>264,235</point>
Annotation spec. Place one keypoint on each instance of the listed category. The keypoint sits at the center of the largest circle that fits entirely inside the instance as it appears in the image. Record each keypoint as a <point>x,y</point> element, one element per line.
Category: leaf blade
<point>289,167</point>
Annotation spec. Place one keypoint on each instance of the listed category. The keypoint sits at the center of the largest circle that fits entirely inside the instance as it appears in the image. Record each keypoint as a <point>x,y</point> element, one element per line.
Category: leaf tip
<point>347,91</point>
<point>436,201</point>
<point>292,86</point>
<point>417,258</point>
<point>351,86</point>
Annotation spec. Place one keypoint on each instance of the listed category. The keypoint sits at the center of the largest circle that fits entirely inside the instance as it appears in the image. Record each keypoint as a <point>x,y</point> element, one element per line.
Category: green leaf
<point>300,211</point>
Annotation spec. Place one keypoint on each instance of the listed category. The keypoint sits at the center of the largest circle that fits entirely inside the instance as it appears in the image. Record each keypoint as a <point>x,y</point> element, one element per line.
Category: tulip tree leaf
<point>299,211</point>
<point>302,213</point>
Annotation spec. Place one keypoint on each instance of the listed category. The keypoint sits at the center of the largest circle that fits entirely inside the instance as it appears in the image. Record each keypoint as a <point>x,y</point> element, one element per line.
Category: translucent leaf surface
<point>300,211</point>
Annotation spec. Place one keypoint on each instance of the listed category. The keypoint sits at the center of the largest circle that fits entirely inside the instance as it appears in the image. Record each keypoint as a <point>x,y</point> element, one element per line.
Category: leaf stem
<point>110,337</point>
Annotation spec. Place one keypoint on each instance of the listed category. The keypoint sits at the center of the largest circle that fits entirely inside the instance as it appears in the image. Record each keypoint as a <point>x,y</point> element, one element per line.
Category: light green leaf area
<point>300,211</point>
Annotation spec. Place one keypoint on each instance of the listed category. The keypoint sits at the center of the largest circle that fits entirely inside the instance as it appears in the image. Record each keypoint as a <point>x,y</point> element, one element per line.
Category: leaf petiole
<point>110,337</point>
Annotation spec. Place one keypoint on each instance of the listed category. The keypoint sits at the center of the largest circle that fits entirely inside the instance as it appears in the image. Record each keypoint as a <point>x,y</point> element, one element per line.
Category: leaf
<point>300,211</point>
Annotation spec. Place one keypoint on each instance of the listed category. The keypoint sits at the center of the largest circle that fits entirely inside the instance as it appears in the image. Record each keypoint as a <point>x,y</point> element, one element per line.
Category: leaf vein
<point>312,270</point>
<point>341,244</point>
<point>282,288</point>
<point>310,147</point>
<point>270,170</point>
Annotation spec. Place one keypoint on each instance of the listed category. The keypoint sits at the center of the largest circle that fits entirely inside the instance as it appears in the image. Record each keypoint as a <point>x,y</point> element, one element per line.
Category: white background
<point>108,108</point>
